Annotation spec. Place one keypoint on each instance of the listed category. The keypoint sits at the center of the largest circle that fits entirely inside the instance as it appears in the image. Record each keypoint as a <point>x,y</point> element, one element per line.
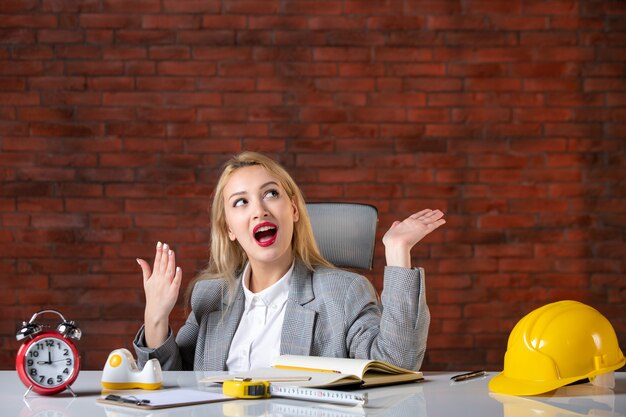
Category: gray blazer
<point>329,312</point>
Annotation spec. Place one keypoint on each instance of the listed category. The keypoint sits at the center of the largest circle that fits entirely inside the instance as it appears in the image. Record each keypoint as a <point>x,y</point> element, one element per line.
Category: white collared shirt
<point>257,339</point>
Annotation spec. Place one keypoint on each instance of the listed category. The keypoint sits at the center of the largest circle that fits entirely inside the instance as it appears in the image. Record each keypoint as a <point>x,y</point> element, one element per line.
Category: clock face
<point>49,363</point>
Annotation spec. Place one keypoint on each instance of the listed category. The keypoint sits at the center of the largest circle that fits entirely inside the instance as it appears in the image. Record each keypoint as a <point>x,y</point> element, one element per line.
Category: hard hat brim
<point>504,385</point>
<point>510,386</point>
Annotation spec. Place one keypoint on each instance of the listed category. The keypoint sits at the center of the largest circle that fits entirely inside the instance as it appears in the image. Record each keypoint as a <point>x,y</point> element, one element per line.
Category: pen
<point>126,400</point>
<point>469,375</point>
<point>301,368</point>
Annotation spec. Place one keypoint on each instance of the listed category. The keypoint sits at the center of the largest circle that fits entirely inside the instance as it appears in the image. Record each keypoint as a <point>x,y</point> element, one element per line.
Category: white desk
<point>434,397</point>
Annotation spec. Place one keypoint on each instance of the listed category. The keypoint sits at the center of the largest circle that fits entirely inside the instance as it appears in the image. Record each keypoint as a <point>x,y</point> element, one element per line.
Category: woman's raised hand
<point>402,236</point>
<point>161,285</point>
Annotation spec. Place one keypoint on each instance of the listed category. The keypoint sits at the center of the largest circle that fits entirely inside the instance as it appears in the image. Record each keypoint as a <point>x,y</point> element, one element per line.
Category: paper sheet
<point>171,398</point>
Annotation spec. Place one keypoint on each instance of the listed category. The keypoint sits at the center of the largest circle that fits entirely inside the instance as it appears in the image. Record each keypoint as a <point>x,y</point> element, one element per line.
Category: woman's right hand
<point>161,285</point>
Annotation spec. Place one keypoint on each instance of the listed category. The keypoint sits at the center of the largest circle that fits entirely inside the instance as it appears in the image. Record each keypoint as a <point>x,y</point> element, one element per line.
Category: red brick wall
<point>509,115</point>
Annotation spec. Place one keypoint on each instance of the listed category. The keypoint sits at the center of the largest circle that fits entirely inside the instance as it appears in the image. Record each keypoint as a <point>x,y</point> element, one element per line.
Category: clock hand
<point>48,362</point>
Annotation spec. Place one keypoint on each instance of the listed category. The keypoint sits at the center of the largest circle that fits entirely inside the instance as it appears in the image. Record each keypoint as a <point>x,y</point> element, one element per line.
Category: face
<point>260,215</point>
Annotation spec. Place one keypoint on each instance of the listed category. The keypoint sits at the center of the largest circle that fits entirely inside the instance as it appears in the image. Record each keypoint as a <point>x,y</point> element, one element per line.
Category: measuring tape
<point>248,388</point>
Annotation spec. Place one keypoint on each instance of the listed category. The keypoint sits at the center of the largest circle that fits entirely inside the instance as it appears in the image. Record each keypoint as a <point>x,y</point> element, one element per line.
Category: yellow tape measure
<point>246,388</point>
<point>249,388</point>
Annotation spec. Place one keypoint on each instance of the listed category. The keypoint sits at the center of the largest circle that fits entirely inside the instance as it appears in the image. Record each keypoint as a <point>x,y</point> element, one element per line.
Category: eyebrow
<point>245,192</point>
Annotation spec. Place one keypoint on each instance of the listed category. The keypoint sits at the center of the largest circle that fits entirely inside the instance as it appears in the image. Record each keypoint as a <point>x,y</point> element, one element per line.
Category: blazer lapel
<point>224,324</point>
<point>299,322</point>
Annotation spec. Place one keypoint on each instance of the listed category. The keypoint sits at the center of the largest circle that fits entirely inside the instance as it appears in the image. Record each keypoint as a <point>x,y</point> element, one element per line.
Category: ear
<point>296,212</point>
<point>231,235</point>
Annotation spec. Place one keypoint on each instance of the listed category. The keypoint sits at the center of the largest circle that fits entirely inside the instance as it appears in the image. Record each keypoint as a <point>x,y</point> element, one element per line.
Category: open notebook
<point>319,372</point>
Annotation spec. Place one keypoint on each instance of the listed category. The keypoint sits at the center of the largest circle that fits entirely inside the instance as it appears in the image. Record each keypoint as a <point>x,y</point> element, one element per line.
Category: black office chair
<point>345,232</point>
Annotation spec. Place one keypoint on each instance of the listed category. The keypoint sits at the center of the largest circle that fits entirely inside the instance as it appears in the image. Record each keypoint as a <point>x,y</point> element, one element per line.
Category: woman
<point>268,291</point>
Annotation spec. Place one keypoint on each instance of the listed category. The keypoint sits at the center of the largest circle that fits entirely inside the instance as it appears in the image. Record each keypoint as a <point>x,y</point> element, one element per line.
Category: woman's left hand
<point>402,236</point>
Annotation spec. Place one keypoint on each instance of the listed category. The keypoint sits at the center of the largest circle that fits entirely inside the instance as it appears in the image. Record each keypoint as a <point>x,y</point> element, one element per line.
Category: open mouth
<point>265,233</point>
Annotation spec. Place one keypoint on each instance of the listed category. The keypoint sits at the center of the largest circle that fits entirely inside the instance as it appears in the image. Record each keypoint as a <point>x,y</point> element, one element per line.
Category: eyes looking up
<point>268,194</point>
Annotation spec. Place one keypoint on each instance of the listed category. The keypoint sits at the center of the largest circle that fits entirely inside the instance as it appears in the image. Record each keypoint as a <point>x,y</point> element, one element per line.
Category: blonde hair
<point>227,257</point>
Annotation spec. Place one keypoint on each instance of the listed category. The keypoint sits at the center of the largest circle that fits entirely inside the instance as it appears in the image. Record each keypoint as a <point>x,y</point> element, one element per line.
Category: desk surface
<point>434,397</point>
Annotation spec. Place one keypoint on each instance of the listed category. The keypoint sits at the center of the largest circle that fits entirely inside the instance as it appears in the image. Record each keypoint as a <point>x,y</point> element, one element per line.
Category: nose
<point>260,209</point>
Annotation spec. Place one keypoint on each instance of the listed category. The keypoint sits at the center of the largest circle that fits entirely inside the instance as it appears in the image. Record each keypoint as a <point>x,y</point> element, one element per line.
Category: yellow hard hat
<point>555,345</point>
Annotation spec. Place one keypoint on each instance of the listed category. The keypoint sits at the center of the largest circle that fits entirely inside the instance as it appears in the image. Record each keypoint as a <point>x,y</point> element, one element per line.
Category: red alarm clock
<point>48,362</point>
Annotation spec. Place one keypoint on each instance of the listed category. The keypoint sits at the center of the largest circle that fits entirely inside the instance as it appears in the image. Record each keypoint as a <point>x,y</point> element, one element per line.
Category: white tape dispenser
<point>121,372</point>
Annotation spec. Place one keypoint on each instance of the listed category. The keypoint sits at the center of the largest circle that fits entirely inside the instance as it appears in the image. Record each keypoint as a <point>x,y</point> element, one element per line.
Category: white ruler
<point>315,410</point>
<point>314,394</point>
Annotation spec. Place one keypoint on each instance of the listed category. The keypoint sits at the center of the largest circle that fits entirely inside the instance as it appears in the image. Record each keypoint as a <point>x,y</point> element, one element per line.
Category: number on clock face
<point>49,362</point>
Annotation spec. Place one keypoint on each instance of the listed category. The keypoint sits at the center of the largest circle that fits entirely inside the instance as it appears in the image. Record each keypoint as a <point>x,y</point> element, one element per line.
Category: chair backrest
<point>345,232</point>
